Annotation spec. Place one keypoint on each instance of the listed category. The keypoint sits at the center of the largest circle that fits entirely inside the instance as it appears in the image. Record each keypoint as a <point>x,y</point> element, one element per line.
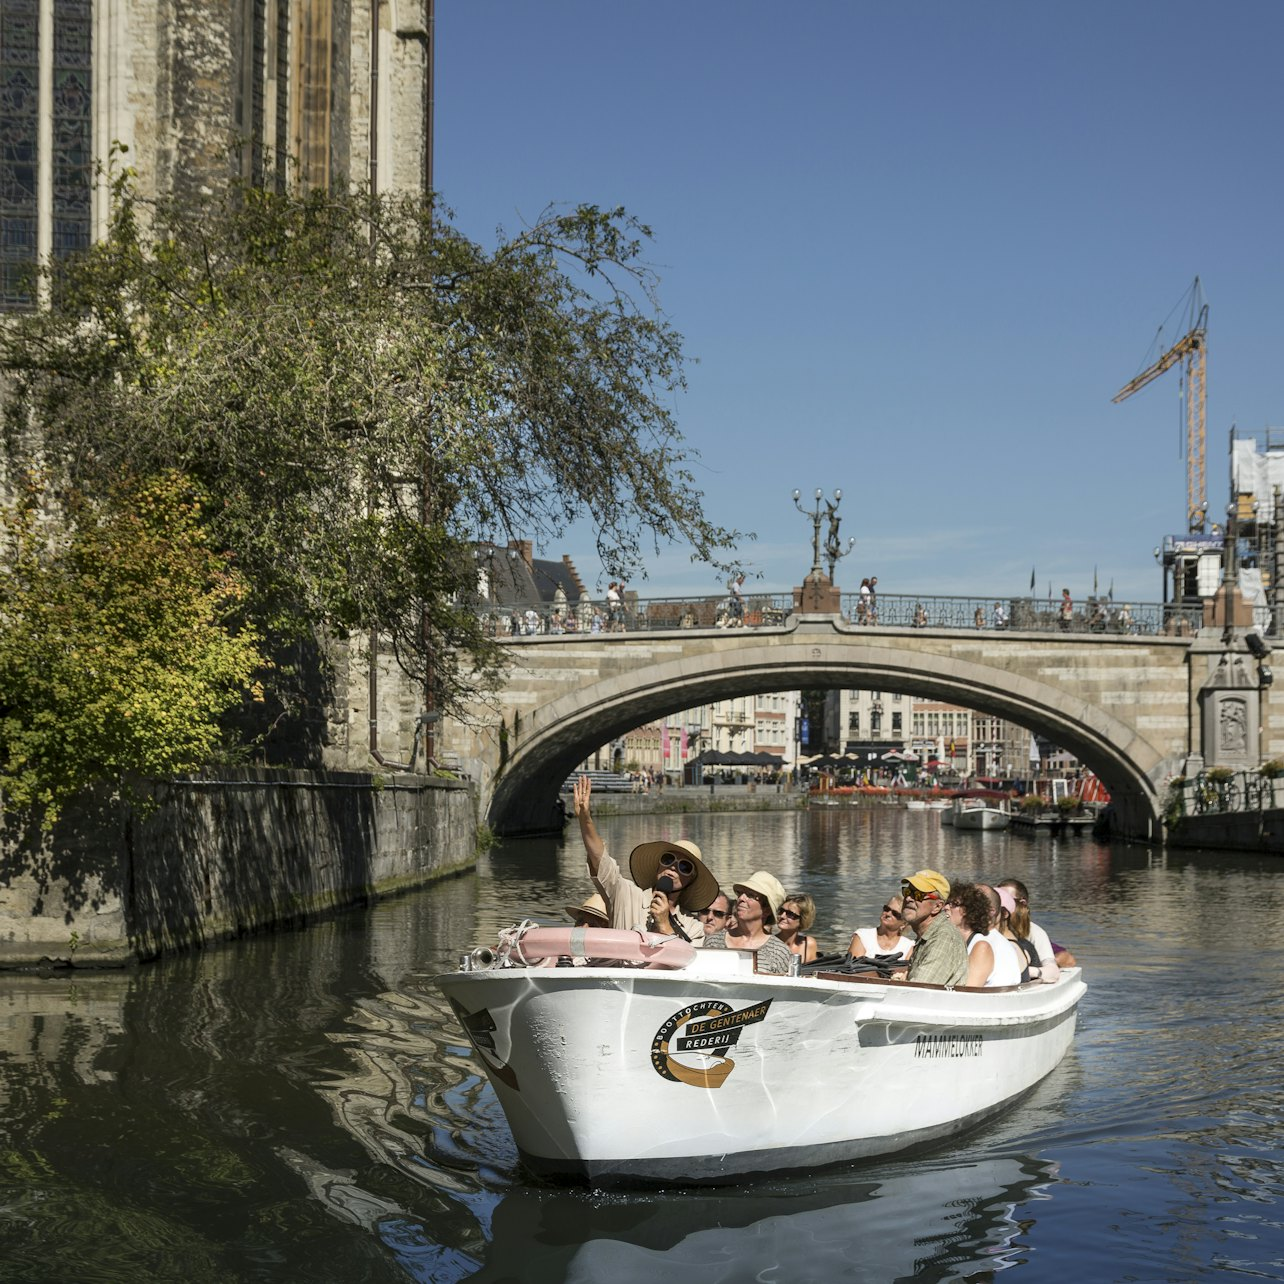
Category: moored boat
<point>976,813</point>
<point>697,1069</point>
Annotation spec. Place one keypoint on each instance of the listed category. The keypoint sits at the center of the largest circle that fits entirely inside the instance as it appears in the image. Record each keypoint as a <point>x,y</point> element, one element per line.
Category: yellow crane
<point>1192,348</point>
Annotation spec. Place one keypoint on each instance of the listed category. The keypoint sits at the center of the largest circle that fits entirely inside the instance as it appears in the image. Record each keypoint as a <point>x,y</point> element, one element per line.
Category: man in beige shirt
<point>668,882</point>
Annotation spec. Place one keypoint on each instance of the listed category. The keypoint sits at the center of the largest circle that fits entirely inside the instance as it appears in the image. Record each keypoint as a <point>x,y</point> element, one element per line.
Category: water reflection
<point>921,1223</point>
<point>303,1106</point>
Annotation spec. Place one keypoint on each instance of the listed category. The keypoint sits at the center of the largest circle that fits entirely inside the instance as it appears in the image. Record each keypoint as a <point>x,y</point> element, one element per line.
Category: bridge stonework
<point>1128,707</point>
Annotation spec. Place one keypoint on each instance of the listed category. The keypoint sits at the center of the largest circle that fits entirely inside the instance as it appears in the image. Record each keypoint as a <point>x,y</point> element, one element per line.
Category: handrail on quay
<point>1221,789</point>
<point>768,610</point>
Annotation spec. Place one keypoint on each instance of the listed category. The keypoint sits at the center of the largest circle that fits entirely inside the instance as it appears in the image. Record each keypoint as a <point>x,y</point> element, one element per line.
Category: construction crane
<point>1192,347</point>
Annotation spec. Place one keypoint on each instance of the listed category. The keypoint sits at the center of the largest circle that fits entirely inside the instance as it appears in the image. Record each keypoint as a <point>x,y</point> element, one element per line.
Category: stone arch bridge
<point>1133,709</point>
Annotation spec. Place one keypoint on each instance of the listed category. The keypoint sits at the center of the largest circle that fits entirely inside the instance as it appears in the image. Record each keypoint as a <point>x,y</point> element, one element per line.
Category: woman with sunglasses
<point>887,939</point>
<point>758,902</point>
<point>797,915</point>
<point>670,881</point>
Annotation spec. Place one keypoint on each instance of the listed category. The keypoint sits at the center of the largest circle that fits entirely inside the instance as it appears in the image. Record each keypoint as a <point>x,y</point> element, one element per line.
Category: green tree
<point>119,647</point>
<point>361,392</point>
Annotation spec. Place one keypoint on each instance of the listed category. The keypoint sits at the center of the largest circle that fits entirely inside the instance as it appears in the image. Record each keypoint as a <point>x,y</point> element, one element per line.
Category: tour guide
<point>670,880</point>
<point>940,955</point>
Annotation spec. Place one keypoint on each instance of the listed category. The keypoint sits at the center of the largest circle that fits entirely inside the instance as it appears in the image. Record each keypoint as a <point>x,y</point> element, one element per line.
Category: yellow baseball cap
<point>926,885</point>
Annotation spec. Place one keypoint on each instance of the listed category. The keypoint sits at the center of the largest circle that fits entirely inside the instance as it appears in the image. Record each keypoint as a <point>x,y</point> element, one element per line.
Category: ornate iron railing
<point>765,610</point>
<point>1217,790</point>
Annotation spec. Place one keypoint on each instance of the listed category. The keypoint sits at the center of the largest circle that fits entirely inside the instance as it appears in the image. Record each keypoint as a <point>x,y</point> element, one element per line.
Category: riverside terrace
<point>1096,615</point>
<point>1137,707</point>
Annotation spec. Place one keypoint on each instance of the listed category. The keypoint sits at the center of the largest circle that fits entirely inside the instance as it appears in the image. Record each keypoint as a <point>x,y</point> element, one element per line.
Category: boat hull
<point>982,818</point>
<point>613,1075</point>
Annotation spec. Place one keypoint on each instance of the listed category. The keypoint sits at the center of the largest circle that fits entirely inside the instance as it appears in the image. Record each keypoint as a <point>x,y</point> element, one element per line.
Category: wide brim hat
<point>644,868</point>
<point>767,885</point>
<point>594,907</point>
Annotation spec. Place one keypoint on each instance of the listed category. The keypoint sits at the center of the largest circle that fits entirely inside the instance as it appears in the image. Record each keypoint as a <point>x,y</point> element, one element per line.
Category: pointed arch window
<point>46,138</point>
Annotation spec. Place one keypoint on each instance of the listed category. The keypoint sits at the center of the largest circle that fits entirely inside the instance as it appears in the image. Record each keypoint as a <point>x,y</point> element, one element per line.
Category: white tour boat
<point>976,813</point>
<point>658,1062</point>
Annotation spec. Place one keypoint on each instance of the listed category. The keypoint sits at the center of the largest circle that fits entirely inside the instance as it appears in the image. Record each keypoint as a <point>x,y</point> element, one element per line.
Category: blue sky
<point>914,248</point>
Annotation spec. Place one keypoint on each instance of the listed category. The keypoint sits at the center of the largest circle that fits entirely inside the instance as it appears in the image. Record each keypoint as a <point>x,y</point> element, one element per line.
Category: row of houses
<point>860,725</point>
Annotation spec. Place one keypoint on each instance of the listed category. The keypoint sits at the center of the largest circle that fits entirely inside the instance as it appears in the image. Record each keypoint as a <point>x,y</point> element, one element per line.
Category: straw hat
<point>644,867</point>
<point>594,907</point>
<point>767,885</point>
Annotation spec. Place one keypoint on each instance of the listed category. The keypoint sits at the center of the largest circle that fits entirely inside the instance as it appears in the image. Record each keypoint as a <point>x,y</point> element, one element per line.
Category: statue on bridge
<point>834,551</point>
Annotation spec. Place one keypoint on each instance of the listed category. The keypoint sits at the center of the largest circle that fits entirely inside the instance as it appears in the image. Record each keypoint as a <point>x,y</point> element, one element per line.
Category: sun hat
<point>1006,899</point>
<point>928,880</point>
<point>594,907</point>
<point>767,885</point>
<point>644,868</point>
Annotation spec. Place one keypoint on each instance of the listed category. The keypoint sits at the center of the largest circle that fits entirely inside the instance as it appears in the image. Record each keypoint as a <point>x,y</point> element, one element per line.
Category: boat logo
<point>480,1028</point>
<point>698,1056</point>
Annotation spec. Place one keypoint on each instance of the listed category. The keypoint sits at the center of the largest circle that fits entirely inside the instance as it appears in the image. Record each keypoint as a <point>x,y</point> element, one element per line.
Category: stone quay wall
<point>221,855</point>
<point>1240,831</point>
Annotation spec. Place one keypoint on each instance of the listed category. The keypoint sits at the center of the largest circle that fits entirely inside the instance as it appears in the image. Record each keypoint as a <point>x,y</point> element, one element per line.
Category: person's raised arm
<point>593,844</point>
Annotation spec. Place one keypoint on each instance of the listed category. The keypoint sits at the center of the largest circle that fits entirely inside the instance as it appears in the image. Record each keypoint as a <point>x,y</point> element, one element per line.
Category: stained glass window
<point>69,110</point>
<point>19,121</point>
<point>73,162</point>
<point>281,142</point>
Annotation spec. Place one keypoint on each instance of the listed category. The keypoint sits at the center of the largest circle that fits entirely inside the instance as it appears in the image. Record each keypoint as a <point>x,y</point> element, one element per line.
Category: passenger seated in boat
<point>969,910</point>
<point>1015,959</point>
<point>888,939</point>
<point>797,915</point>
<point>716,915</point>
<point>1051,957</point>
<point>669,880</point>
<point>991,958</point>
<point>758,903</point>
<point>589,913</point>
<point>1029,958</point>
<point>940,957</point>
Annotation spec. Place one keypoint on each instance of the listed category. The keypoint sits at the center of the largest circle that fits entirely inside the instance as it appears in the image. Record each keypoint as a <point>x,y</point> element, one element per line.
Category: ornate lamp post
<point>818,594</point>
<point>833,545</point>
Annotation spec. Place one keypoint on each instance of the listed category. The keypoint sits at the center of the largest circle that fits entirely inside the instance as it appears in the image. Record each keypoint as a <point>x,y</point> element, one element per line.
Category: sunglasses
<point>684,866</point>
<point>911,893</point>
<point>791,914</point>
<point>713,913</point>
<point>887,909</point>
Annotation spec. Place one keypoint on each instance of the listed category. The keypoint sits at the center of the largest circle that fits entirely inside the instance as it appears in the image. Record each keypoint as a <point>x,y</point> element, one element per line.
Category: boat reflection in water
<point>420,1111</point>
<point>922,1222</point>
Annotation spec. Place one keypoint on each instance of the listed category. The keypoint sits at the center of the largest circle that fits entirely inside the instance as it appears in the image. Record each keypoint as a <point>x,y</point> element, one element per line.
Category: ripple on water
<point>305,1105</point>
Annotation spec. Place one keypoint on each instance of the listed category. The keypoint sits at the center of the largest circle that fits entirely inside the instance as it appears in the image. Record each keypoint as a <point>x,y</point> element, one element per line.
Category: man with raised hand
<point>668,882</point>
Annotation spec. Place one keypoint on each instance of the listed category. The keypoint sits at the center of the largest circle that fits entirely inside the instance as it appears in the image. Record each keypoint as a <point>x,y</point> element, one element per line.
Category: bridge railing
<point>764,610</point>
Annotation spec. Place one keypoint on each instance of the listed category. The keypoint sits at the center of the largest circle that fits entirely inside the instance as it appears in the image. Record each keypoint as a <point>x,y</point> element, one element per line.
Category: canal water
<point>303,1107</point>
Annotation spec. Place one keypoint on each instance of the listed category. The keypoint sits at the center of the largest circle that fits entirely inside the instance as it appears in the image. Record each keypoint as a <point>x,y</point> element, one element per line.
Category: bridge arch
<point>559,734</point>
